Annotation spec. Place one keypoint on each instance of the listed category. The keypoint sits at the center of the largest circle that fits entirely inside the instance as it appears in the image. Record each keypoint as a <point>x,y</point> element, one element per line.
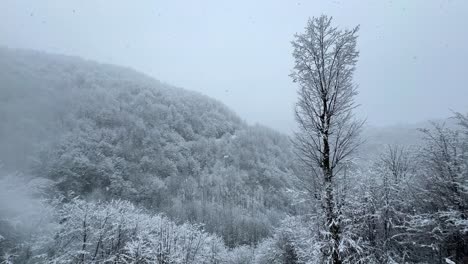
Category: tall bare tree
<point>325,59</point>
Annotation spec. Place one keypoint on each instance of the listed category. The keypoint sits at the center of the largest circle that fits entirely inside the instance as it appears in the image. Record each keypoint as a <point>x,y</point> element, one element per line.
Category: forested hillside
<point>102,164</point>
<point>104,132</point>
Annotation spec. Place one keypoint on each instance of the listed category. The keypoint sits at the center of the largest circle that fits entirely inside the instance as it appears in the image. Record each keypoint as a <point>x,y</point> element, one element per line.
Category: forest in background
<point>102,164</point>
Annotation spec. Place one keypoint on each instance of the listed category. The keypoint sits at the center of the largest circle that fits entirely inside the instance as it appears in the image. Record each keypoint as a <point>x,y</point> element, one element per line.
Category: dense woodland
<point>102,164</point>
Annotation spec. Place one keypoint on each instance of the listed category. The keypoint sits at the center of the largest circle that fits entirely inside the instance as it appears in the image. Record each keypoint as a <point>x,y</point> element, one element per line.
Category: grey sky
<point>412,65</point>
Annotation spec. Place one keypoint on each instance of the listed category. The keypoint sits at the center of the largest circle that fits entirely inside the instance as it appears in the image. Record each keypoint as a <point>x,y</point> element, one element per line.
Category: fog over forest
<point>279,132</point>
<point>228,50</point>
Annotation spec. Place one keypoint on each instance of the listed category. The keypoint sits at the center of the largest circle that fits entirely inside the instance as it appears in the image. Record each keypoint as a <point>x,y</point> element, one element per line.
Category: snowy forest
<point>104,164</point>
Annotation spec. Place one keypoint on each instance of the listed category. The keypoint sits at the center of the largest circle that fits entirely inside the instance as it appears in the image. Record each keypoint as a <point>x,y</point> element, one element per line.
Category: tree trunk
<point>331,212</point>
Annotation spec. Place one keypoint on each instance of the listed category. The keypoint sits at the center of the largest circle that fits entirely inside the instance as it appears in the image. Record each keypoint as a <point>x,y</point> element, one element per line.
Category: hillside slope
<point>106,132</point>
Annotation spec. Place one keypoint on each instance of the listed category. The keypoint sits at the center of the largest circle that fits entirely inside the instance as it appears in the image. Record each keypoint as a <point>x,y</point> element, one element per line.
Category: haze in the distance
<point>412,65</point>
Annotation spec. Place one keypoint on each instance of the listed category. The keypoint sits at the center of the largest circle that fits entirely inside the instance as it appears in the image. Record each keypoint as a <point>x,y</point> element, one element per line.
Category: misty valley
<point>104,164</point>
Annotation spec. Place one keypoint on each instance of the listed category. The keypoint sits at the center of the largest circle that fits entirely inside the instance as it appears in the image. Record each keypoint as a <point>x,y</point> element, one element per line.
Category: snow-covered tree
<point>438,228</point>
<point>119,232</point>
<point>325,59</point>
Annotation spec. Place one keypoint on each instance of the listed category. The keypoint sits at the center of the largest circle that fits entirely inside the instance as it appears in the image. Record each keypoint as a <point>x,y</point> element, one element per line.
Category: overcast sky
<point>412,67</point>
